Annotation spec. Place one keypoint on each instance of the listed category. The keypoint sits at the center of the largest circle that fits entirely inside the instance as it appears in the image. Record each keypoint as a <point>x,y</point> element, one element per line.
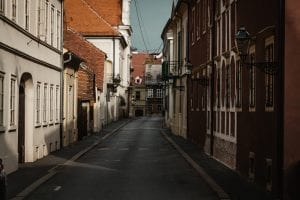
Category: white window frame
<point>46,19</point>
<point>12,102</point>
<point>38,104</point>
<point>193,25</point>
<point>252,77</point>
<point>269,41</point>
<point>198,17</point>
<point>14,10</point>
<point>52,17</point>
<point>57,104</point>
<point>27,14</point>
<point>45,103</point>
<point>51,103</point>
<point>2,7</point>
<point>2,78</point>
<point>150,93</point>
<point>58,29</point>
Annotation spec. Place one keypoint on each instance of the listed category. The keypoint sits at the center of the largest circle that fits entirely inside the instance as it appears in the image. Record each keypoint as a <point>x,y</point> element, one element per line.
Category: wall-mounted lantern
<point>243,39</point>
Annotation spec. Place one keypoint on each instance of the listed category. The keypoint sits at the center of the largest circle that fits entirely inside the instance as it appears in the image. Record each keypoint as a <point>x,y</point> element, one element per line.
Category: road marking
<point>57,188</point>
<point>143,149</point>
<point>52,171</point>
<point>104,149</point>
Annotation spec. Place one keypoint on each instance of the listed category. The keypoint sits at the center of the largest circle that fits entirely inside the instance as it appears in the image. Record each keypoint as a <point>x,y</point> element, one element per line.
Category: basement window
<point>251,166</point>
<point>268,174</point>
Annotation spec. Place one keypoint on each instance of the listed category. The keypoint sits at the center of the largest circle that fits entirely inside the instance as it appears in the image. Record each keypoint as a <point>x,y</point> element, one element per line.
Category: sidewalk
<point>233,184</point>
<point>29,173</point>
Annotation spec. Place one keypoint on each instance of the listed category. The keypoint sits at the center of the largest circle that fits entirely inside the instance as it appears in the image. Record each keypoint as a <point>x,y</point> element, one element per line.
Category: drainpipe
<point>188,60</point>
<point>62,78</point>
<point>114,57</point>
<point>212,88</point>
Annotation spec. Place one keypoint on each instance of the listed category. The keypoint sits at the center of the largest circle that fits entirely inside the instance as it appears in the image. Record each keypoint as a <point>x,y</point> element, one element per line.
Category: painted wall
<point>21,52</point>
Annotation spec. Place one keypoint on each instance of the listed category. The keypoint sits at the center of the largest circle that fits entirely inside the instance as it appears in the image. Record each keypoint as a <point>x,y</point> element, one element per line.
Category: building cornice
<point>28,57</point>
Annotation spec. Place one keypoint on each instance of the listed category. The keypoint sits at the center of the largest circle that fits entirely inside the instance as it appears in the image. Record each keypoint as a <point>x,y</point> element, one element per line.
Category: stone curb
<point>212,184</point>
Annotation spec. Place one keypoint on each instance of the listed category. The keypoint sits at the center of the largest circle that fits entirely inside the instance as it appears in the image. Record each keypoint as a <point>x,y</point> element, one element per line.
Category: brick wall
<point>93,57</point>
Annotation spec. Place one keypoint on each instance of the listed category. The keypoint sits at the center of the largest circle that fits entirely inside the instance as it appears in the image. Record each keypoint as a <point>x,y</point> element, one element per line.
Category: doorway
<point>21,124</point>
<point>25,118</point>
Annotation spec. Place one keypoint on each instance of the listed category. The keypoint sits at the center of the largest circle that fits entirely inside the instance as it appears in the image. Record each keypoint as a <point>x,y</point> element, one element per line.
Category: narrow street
<point>135,163</point>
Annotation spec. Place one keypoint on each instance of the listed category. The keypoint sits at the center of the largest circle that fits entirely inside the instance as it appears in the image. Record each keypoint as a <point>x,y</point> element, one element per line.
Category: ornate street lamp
<point>243,39</point>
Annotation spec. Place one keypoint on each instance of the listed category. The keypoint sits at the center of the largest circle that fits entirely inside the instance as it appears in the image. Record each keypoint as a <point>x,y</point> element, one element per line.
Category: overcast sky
<point>153,16</point>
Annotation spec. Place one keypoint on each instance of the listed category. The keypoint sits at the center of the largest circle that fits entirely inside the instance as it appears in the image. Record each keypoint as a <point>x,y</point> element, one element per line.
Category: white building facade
<point>30,79</point>
<point>176,61</point>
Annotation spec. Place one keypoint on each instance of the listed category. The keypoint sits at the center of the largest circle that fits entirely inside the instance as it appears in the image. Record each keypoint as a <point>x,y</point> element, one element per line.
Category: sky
<point>153,16</point>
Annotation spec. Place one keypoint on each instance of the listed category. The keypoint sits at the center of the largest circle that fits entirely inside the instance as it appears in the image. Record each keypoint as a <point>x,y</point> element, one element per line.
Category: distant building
<point>85,113</point>
<point>108,28</point>
<point>30,80</point>
<point>176,60</point>
<point>138,87</point>
<point>154,86</point>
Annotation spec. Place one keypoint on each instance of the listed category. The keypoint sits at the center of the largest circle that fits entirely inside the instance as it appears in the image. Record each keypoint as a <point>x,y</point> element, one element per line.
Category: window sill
<point>12,128</point>
<point>2,129</point>
<point>37,125</point>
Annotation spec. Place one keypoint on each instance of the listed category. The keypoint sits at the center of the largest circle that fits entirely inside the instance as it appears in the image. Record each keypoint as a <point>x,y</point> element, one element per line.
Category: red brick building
<point>106,24</point>
<point>90,77</point>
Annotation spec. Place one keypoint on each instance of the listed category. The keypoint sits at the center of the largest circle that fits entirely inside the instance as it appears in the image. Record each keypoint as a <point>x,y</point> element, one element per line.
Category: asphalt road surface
<point>136,163</point>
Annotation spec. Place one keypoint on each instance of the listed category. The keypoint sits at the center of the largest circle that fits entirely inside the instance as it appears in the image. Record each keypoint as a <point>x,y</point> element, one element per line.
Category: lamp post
<point>243,39</point>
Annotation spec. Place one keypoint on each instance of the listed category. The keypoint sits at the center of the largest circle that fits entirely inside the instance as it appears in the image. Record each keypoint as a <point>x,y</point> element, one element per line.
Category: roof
<point>110,10</point>
<point>78,11</point>
<point>138,64</point>
<point>93,56</point>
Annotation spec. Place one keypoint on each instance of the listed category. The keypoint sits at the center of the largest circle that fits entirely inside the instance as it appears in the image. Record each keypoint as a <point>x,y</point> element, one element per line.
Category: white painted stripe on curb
<point>52,171</point>
<point>214,186</point>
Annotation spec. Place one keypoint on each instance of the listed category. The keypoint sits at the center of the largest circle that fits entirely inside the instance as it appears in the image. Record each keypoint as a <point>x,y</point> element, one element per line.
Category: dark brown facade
<point>258,119</point>
<point>291,86</point>
<point>242,130</point>
<point>199,43</point>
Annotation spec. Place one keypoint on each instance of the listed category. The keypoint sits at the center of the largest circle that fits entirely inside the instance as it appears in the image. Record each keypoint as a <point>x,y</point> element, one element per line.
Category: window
<point>269,174</point>
<point>179,46</point>
<point>204,14</point>
<point>193,25</point>
<point>252,85</point>
<point>159,93</point>
<point>269,79</point>
<point>1,98</point>
<point>57,103</point>
<point>238,84</point>
<point>251,166</point>
<point>27,15</point>
<point>2,6</point>
<point>218,88</point>
<point>227,85</point>
<point>12,101</point>
<point>52,25</point>
<point>198,19</point>
<point>51,103</point>
<point>14,10</point>
<point>58,30</point>
<point>46,18</point>
<point>150,93</point>
<point>38,103</point>
<point>137,95</point>
<point>40,19</point>
<point>45,103</point>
